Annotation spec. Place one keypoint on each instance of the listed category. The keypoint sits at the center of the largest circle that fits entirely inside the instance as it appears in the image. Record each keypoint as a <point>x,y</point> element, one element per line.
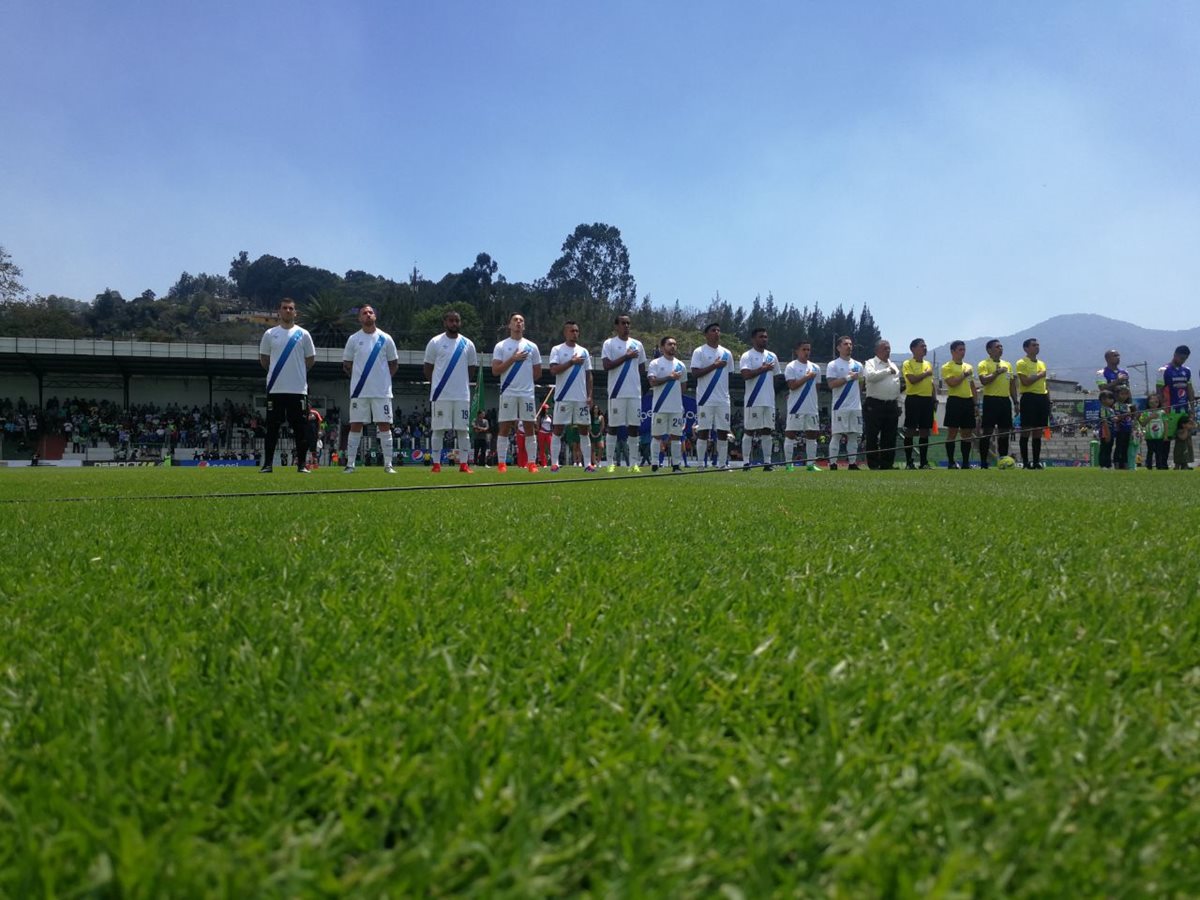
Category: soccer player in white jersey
<point>667,376</point>
<point>571,366</point>
<point>287,353</point>
<point>370,359</point>
<point>450,362</point>
<point>517,362</point>
<point>710,365</point>
<point>803,415</point>
<point>844,377</point>
<point>624,359</point>
<point>759,367</point>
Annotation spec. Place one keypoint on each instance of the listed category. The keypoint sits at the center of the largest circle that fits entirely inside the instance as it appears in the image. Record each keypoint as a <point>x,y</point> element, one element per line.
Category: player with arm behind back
<point>287,352</point>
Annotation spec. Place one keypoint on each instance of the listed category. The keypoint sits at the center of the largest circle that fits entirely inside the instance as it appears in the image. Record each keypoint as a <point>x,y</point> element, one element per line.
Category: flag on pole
<point>477,400</point>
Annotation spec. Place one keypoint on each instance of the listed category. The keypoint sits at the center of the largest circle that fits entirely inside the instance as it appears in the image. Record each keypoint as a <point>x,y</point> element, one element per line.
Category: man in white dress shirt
<point>881,408</point>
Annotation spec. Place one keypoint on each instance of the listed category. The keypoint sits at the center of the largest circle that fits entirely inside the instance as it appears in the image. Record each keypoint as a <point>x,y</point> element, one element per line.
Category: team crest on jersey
<point>439,413</point>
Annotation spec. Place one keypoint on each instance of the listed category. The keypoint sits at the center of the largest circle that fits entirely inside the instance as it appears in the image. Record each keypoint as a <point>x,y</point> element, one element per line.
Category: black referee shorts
<point>997,414</point>
<point>918,412</point>
<point>960,413</point>
<point>1035,410</point>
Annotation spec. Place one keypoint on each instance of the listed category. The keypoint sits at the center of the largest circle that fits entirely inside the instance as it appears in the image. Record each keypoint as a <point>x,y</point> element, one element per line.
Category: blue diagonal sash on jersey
<point>758,387</point>
<point>362,379</point>
<point>800,400</point>
<point>621,377</point>
<point>458,351</point>
<point>712,383</point>
<point>663,396</point>
<point>562,395</point>
<point>844,394</point>
<point>512,373</point>
<point>287,351</point>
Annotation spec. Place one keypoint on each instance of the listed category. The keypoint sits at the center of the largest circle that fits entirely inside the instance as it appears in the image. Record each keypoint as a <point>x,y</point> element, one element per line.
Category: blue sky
<point>962,168</point>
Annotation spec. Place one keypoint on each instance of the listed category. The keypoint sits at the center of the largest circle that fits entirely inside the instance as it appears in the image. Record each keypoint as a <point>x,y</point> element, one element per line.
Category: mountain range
<point>1073,346</point>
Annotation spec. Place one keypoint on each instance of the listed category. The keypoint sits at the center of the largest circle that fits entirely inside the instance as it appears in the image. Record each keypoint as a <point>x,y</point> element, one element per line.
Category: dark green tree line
<point>589,282</point>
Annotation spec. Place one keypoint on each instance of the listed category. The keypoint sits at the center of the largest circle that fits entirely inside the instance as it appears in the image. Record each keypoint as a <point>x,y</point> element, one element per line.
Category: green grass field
<point>740,685</point>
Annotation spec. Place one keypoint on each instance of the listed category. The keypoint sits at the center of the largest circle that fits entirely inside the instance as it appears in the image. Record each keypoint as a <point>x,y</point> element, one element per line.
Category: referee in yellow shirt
<point>918,401</point>
<point>1035,402</point>
<point>959,378</point>
<point>999,397</point>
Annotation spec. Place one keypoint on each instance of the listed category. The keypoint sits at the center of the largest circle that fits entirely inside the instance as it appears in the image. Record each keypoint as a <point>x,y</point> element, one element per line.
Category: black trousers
<point>1157,453</point>
<point>294,409</point>
<point>881,422</point>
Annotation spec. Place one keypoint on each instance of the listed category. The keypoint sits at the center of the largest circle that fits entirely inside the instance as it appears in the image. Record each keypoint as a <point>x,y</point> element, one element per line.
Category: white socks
<point>585,445</point>
<point>502,449</point>
<point>810,451</point>
<point>722,453</point>
<point>789,448</point>
<point>702,451</point>
<point>352,443</point>
<point>435,446</point>
<point>463,444</point>
<point>852,448</point>
<point>747,449</point>
<point>385,443</point>
<point>555,449</point>
<point>531,449</point>
<point>676,453</point>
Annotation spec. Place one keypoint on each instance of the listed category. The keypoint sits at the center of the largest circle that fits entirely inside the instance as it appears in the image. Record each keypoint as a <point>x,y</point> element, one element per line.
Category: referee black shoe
<point>303,470</point>
<point>266,470</point>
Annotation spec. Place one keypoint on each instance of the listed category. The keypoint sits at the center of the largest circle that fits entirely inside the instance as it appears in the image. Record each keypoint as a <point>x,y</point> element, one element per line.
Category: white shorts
<point>455,414</point>
<point>572,412</point>
<point>667,423</point>
<point>625,411</point>
<point>846,421</point>
<point>713,415</point>
<point>759,417</point>
<point>370,409</point>
<point>803,422</point>
<point>513,407</point>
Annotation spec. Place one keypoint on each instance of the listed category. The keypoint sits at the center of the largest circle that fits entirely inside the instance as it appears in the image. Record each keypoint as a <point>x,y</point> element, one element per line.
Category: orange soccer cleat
<point>437,467</point>
<point>463,467</point>
<point>501,468</point>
